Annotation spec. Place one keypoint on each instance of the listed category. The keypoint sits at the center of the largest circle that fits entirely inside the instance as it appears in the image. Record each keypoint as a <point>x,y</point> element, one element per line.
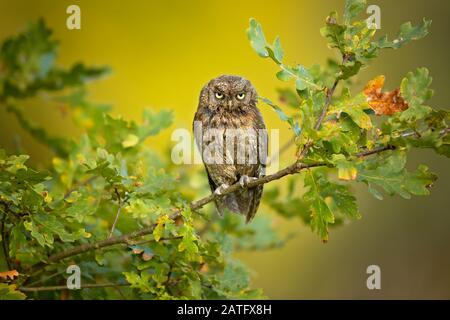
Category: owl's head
<point>229,92</point>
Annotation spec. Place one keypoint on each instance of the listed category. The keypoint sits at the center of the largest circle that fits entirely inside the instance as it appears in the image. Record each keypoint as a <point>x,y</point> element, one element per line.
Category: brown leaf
<point>137,250</point>
<point>9,274</point>
<point>147,256</point>
<point>179,221</point>
<point>204,267</point>
<point>383,103</point>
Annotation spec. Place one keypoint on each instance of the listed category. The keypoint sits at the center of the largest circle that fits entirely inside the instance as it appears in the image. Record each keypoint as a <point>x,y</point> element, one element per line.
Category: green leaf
<point>21,248</point>
<point>346,169</point>
<point>294,125</point>
<point>277,50</point>
<point>287,207</point>
<point>235,277</point>
<point>80,206</point>
<point>258,235</point>
<point>257,38</point>
<point>415,87</point>
<point>10,292</point>
<point>139,281</point>
<point>406,34</point>
<point>284,75</point>
<point>354,107</point>
<point>329,202</point>
<point>130,141</point>
<point>28,65</point>
<point>353,8</point>
<point>321,214</point>
<point>389,173</point>
<point>59,145</point>
<point>304,79</point>
<point>349,69</point>
<point>154,122</point>
<point>44,228</point>
<point>189,242</point>
<point>334,32</point>
<point>340,198</point>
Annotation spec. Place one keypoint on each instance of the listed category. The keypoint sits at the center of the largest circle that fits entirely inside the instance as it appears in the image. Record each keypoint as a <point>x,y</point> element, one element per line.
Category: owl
<point>231,136</point>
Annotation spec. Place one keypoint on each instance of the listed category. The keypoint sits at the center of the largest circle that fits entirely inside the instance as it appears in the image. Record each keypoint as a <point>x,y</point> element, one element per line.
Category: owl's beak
<point>230,103</point>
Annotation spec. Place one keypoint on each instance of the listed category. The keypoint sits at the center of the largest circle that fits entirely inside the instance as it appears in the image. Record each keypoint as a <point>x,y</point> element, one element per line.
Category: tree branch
<point>374,151</point>
<point>195,205</point>
<point>326,105</point>
<point>319,121</point>
<point>127,238</point>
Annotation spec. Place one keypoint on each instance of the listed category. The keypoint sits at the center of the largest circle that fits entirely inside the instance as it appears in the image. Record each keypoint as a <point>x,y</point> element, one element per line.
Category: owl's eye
<point>240,96</point>
<point>219,95</point>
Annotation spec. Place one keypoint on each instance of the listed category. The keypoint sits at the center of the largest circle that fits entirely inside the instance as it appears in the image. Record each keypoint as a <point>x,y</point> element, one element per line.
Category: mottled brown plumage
<point>228,104</point>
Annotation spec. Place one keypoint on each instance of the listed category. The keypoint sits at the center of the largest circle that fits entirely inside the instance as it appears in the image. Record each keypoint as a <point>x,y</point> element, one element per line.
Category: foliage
<point>186,253</point>
<point>348,133</point>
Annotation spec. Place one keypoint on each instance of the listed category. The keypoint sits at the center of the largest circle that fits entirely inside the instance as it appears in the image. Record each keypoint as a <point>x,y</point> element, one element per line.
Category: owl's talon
<point>220,189</point>
<point>245,180</point>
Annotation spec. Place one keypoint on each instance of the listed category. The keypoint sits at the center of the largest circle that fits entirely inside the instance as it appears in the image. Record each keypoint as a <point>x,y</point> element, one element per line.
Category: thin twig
<point>119,199</point>
<point>47,278</point>
<point>330,93</point>
<point>374,151</point>
<point>137,243</point>
<point>319,121</point>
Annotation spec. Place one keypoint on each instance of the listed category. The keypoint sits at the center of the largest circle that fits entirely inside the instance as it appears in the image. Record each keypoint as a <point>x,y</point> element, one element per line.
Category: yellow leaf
<point>130,141</point>
<point>348,174</point>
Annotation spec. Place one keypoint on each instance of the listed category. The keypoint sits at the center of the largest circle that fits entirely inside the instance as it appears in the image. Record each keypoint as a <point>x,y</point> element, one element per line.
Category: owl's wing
<point>255,197</point>
<point>212,185</point>
<point>260,171</point>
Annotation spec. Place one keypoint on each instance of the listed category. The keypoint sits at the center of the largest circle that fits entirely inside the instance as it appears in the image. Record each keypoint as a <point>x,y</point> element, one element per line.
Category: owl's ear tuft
<point>253,94</point>
<point>204,96</point>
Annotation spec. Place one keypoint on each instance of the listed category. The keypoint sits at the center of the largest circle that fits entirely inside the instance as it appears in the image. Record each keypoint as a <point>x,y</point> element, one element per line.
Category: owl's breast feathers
<point>248,119</point>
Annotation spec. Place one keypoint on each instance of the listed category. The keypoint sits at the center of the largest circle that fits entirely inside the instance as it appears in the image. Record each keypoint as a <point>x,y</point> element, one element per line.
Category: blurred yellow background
<point>163,52</point>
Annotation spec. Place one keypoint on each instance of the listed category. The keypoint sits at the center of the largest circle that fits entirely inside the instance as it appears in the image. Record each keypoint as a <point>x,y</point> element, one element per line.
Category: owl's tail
<point>245,202</point>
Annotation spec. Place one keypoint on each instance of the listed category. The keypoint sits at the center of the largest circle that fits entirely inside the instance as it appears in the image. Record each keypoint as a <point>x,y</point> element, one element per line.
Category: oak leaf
<point>9,274</point>
<point>383,103</point>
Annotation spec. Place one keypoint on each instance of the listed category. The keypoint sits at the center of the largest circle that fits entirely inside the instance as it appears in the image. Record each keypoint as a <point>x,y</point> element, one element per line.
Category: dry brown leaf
<point>383,103</point>
<point>9,274</point>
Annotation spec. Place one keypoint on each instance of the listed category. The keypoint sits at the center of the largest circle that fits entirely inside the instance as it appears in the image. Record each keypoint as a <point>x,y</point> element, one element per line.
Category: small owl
<point>231,136</point>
